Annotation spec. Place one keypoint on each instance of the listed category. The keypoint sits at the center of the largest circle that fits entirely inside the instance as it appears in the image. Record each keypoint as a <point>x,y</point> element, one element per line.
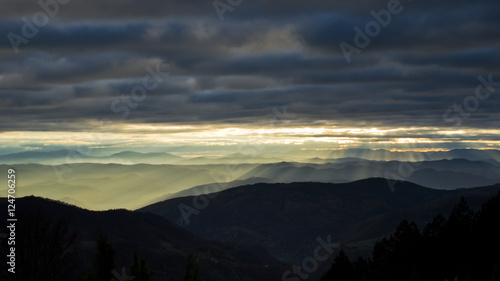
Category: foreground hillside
<point>463,246</point>
<point>287,219</point>
<point>251,232</point>
<point>164,246</point>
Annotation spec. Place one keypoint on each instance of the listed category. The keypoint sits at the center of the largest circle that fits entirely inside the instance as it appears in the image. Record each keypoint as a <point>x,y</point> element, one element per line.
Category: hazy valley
<point>245,215</point>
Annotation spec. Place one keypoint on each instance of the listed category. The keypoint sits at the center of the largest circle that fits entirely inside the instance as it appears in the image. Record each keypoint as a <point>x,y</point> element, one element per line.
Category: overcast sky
<point>125,73</point>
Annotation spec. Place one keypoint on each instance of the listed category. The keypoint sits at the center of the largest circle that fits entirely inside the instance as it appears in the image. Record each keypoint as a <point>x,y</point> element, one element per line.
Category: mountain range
<point>257,230</point>
<point>67,156</point>
<point>164,245</point>
<point>99,186</point>
<point>287,219</point>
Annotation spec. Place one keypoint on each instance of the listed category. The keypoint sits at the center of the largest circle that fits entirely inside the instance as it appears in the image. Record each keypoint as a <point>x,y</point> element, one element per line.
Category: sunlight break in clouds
<point>136,135</point>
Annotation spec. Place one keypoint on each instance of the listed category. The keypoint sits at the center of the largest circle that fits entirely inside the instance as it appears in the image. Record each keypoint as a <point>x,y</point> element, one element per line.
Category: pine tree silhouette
<point>46,250</point>
<point>139,269</point>
<point>464,246</point>
<point>104,260</point>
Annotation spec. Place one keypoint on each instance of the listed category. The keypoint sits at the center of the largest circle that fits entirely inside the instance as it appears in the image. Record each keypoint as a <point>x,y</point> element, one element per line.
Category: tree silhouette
<point>341,268</point>
<point>46,250</point>
<point>192,270</point>
<point>487,237</point>
<point>139,270</point>
<point>458,241</point>
<point>104,260</point>
<point>464,246</point>
<point>495,274</point>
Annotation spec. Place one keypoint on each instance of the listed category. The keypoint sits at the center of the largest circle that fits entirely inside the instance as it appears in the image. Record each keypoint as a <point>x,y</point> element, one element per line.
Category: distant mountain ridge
<point>71,156</point>
<point>387,155</point>
<point>211,187</point>
<point>40,155</point>
<point>99,186</point>
<point>68,156</point>
<point>439,174</point>
<point>103,186</point>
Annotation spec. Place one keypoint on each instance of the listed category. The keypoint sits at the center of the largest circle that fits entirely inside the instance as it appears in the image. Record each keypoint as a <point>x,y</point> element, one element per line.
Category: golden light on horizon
<point>130,135</point>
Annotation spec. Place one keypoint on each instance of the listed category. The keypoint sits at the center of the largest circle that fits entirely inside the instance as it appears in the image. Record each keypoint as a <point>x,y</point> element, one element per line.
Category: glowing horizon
<point>133,137</point>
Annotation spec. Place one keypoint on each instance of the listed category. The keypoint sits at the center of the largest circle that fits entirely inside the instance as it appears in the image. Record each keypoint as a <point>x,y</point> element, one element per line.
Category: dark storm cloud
<point>265,55</point>
<point>480,58</point>
<point>413,25</point>
<point>126,9</point>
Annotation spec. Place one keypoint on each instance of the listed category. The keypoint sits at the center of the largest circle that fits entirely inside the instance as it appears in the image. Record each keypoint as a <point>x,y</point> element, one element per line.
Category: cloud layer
<point>171,63</point>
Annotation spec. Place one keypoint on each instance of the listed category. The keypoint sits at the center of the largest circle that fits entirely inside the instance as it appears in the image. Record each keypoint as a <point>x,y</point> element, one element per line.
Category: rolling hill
<point>164,245</point>
<point>288,218</point>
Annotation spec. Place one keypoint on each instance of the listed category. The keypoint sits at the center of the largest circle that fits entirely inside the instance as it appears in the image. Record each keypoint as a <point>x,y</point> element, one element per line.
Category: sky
<point>206,76</point>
